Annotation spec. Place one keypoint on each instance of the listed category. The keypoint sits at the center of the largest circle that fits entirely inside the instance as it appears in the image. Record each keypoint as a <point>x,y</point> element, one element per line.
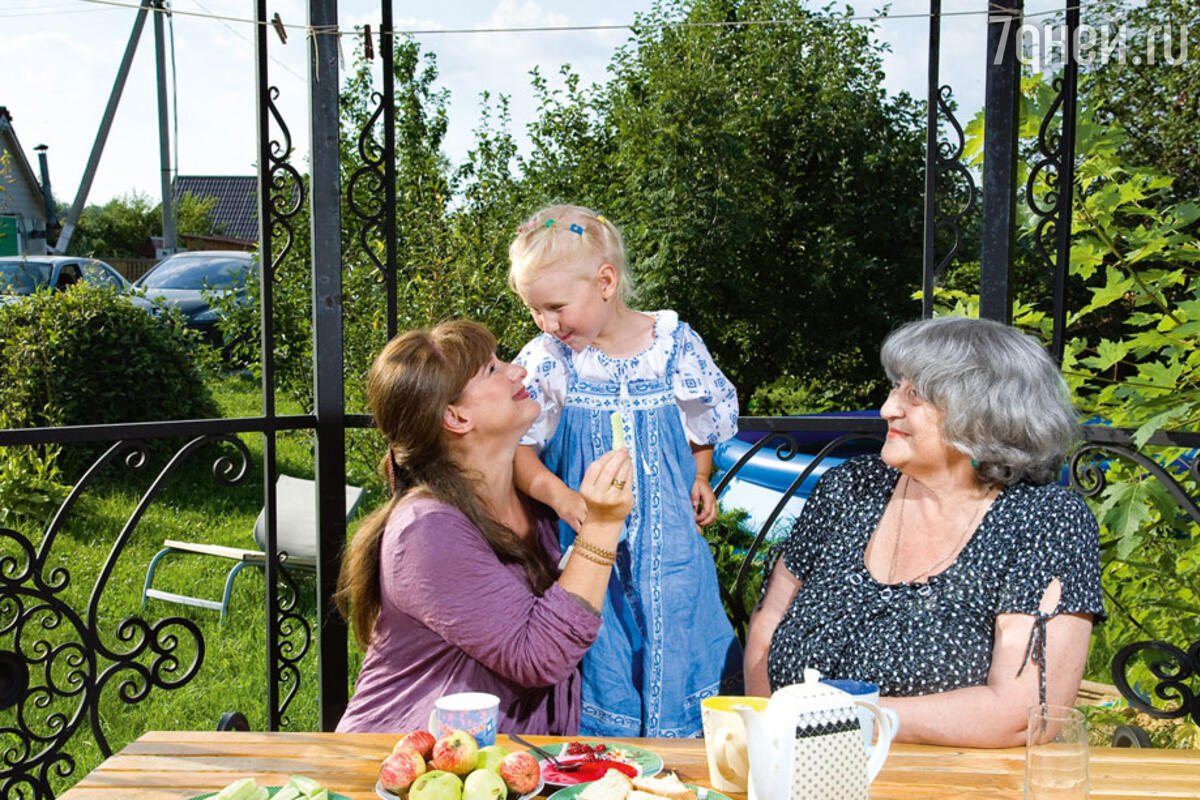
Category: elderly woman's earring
<point>974,464</point>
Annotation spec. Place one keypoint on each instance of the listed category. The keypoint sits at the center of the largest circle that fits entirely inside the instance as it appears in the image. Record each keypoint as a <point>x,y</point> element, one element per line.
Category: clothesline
<point>996,13</point>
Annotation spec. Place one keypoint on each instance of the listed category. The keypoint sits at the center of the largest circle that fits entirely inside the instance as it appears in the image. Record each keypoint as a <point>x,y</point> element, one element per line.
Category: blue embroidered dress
<point>665,643</point>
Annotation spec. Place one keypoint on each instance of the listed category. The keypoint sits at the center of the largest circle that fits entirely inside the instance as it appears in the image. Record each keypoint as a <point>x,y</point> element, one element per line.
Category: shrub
<point>30,487</point>
<point>87,356</point>
<point>730,540</point>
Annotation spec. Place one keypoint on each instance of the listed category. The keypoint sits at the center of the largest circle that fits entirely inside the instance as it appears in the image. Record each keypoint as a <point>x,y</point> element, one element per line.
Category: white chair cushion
<point>296,526</point>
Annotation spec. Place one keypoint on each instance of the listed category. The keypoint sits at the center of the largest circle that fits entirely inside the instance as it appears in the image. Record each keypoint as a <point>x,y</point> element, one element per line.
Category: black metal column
<point>328,393</point>
<point>266,255</point>
<point>931,159</point>
<point>1066,183</point>
<point>388,49</point>
<point>1001,97</point>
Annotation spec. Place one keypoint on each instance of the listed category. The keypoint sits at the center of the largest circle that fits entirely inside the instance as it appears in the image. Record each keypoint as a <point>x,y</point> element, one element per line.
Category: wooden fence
<point>131,268</point>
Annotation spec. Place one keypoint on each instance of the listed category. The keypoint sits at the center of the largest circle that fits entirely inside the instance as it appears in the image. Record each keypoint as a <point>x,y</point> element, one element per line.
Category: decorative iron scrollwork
<point>295,637</point>
<point>57,663</point>
<point>14,678</point>
<point>1087,476</point>
<point>1047,173</point>
<point>287,192</point>
<point>950,171</point>
<point>786,448</point>
<point>366,191</point>
<point>1173,675</point>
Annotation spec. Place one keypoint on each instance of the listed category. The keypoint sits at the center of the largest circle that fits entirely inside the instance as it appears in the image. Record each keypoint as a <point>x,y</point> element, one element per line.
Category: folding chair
<point>295,538</point>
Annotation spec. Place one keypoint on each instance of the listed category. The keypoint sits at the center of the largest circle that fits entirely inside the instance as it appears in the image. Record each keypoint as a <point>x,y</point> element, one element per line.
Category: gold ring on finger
<point>618,484</point>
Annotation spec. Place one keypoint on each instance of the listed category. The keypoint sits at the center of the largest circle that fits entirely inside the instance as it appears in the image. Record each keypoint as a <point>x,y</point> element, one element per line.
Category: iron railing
<point>33,671</point>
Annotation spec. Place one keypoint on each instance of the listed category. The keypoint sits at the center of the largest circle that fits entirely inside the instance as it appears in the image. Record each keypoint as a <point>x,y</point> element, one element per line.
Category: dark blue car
<point>190,282</point>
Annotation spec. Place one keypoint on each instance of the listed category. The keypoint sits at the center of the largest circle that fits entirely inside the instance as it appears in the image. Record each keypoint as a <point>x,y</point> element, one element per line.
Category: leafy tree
<point>1151,86</point>
<point>767,187</point>
<point>120,227</point>
<point>193,216</point>
<point>452,262</point>
<point>1137,251</point>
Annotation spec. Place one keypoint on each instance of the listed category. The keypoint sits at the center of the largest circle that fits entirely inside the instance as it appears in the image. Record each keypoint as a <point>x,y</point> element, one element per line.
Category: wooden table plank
<point>173,765</point>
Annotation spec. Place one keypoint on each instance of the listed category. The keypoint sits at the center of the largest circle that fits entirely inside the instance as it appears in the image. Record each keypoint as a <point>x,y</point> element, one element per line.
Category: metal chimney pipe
<point>47,195</point>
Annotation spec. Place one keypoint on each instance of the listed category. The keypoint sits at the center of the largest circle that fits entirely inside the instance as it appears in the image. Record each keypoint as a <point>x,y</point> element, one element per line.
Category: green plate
<point>647,763</point>
<point>271,790</point>
<point>569,792</point>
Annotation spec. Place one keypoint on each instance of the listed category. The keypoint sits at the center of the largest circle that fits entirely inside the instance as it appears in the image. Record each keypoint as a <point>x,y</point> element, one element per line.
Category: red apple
<point>520,772</point>
<point>421,741</point>
<point>455,752</point>
<point>400,769</point>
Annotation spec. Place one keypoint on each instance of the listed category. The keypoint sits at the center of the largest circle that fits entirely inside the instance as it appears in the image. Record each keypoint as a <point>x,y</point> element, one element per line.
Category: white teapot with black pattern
<point>808,743</point>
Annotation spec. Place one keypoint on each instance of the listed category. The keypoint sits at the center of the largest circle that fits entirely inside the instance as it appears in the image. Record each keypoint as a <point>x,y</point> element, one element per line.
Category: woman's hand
<point>704,502</point>
<point>607,487</point>
<point>609,496</point>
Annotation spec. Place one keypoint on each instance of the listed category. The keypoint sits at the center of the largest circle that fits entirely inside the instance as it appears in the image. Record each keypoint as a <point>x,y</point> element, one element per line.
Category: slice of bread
<point>614,785</point>
<point>668,786</point>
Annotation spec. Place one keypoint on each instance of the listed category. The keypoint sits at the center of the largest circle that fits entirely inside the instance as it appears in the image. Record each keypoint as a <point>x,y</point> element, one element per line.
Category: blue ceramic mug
<point>473,712</point>
<point>862,690</point>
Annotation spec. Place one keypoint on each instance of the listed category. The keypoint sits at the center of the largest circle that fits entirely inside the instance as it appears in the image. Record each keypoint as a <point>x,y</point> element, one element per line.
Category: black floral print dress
<point>921,638</point>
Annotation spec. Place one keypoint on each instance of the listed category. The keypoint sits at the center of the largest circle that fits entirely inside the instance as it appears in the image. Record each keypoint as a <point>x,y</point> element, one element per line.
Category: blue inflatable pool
<point>760,484</point>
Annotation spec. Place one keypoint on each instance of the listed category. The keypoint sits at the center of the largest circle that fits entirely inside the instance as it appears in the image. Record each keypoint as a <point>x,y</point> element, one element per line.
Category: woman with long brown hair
<point>454,584</point>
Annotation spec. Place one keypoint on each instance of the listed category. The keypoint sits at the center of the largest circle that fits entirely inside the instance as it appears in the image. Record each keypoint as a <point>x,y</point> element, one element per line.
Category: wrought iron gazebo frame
<point>27,589</point>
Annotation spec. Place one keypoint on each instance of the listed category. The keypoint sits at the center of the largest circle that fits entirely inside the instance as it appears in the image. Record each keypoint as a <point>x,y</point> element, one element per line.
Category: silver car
<point>23,275</point>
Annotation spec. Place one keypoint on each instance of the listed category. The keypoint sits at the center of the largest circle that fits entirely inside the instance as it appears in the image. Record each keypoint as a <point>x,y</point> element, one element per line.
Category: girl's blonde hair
<point>416,376</point>
<point>559,232</point>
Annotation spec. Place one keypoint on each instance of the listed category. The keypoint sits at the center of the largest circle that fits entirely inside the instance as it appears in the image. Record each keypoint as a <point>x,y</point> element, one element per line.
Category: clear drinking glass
<point>1056,754</point>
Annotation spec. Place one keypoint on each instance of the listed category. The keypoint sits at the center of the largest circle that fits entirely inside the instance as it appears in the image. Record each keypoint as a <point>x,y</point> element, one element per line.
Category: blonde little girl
<point>665,642</point>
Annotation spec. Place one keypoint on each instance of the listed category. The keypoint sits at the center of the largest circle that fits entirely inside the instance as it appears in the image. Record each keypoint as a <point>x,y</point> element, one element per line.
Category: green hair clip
<point>549,222</point>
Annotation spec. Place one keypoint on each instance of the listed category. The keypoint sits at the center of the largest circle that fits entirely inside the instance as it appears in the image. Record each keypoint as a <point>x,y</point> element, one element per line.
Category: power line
<point>43,11</point>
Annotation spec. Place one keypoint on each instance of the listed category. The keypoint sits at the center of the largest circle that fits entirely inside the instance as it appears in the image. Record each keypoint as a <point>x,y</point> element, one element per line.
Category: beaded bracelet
<point>584,544</point>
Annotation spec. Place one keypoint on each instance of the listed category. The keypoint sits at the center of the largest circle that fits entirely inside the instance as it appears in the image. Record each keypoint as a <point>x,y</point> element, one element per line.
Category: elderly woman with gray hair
<point>951,570</point>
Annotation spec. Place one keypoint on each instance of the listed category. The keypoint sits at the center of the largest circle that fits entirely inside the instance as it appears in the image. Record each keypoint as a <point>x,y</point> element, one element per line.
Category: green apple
<point>490,757</point>
<point>436,785</point>
<point>484,784</point>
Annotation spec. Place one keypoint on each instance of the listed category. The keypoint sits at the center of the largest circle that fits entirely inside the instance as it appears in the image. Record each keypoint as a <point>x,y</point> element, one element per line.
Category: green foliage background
<point>763,181</point>
<point>85,356</point>
<point>1132,360</point>
<point>88,356</point>
<point>120,227</point>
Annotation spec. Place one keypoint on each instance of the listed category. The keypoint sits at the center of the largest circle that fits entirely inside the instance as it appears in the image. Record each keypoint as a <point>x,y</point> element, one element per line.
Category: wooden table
<point>172,765</point>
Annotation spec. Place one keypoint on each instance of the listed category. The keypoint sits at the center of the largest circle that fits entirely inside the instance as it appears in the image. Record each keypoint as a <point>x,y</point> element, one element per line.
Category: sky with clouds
<point>62,57</point>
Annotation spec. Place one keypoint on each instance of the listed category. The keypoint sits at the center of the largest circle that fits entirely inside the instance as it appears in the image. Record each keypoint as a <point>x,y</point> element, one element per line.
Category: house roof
<point>19,161</point>
<point>235,216</point>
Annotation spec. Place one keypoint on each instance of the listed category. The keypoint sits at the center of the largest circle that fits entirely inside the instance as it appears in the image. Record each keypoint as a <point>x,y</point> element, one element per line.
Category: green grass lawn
<point>192,506</point>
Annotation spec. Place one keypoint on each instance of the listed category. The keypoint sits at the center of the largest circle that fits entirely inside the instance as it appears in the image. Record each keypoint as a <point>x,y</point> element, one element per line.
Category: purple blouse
<point>453,618</point>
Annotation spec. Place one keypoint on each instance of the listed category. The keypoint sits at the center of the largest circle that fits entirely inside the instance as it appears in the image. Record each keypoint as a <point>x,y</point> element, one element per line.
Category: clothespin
<point>368,47</point>
<point>277,23</point>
